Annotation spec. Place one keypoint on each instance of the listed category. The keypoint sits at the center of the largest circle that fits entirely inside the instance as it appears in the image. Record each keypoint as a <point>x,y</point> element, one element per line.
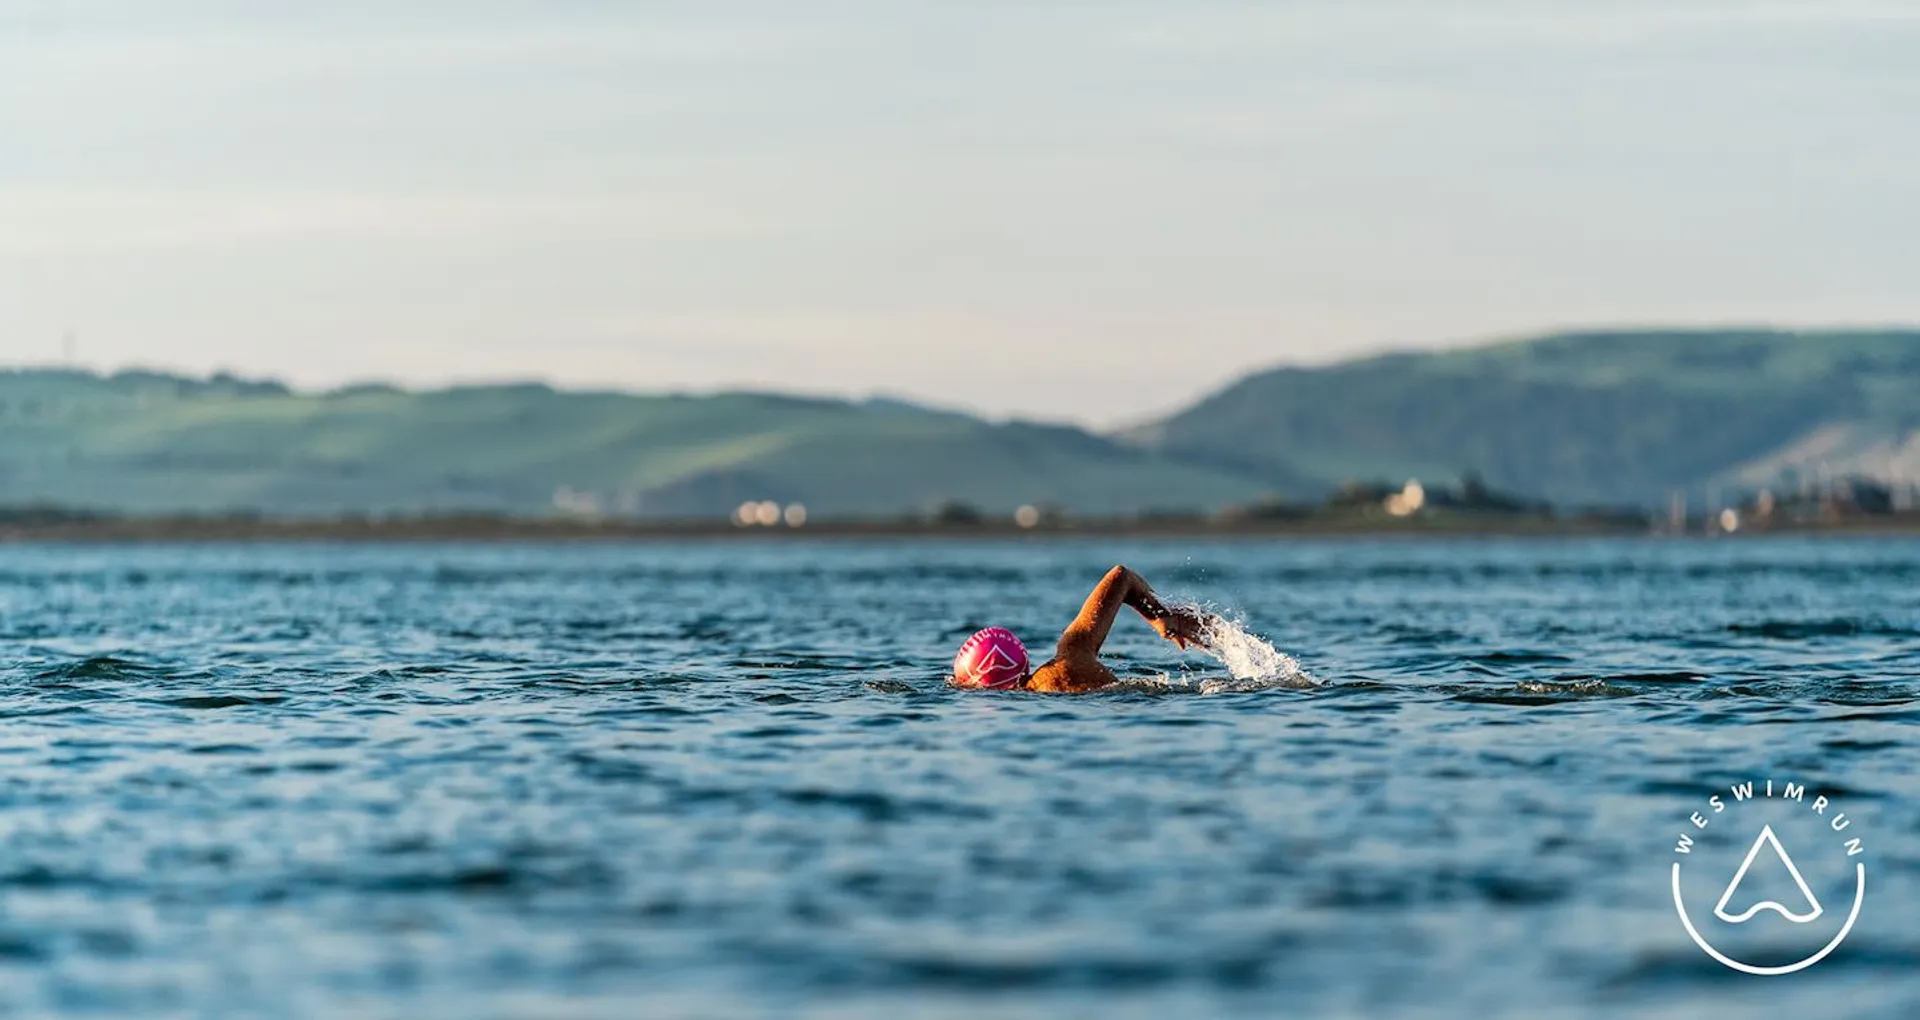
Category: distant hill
<point>1577,418</point>
<point>147,442</point>
<point>1593,417</point>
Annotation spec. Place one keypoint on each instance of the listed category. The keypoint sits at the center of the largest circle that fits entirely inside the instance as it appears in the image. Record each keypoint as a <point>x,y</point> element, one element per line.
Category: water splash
<point>1252,662</point>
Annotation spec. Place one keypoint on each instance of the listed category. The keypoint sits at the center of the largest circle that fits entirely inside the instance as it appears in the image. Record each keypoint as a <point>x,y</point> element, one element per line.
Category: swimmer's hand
<point>1182,626</point>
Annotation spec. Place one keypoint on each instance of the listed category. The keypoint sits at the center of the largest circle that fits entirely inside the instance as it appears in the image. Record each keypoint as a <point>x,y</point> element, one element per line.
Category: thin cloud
<point>1469,26</point>
<point>46,222</point>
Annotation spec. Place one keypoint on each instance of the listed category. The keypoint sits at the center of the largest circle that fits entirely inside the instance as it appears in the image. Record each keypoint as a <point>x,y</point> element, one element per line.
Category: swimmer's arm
<point>1181,626</point>
<point>1122,587</point>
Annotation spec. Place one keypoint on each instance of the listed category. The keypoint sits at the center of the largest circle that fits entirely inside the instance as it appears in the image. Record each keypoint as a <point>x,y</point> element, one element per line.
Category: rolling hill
<point>1592,417</point>
<point>1579,418</point>
<point>144,442</point>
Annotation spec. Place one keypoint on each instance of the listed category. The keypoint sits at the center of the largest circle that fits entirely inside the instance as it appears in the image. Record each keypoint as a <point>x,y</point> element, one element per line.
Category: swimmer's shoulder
<point>1067,676</point>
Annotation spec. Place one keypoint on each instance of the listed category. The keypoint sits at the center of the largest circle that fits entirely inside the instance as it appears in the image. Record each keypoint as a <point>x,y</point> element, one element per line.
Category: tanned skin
<point>1076,665</point>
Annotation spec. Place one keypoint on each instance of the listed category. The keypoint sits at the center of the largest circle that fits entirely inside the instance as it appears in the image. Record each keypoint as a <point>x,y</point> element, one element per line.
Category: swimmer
<point>995,659</point>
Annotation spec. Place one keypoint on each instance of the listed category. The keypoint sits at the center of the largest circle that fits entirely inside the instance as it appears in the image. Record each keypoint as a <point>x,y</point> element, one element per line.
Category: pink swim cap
<point>991,658</point>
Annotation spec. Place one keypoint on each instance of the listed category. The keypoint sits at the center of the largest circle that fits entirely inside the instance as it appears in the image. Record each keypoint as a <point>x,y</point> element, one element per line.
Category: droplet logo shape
<point>1768,841</point>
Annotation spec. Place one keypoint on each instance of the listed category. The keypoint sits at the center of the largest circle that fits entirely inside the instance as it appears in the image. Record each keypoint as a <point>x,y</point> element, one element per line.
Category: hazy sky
<point>1058,209</point>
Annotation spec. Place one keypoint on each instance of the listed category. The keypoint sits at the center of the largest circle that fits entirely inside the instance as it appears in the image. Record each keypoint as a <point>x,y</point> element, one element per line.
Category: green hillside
<point>146,442</point>
<point>1576,418</point>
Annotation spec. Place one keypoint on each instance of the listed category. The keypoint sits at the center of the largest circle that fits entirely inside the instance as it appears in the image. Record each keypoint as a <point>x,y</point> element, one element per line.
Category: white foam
<point>1252,662</point>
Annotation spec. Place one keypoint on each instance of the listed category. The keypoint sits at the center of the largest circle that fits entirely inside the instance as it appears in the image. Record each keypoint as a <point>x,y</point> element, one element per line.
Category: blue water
<point>727,779</point>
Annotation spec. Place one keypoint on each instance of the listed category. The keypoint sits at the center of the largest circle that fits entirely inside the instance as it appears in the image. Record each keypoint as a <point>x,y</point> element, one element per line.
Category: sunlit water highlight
<point>729,780</point>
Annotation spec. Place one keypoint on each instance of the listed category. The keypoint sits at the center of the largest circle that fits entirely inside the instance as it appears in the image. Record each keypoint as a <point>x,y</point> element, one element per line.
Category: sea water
<point>727,779</point>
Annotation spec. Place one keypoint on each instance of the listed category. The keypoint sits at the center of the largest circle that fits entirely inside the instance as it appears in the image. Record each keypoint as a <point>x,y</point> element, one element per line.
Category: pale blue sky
<point>1018,207</point>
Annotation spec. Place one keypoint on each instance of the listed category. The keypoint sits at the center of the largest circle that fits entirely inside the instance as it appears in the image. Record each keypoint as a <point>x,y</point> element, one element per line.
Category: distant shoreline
<point>534,530</point>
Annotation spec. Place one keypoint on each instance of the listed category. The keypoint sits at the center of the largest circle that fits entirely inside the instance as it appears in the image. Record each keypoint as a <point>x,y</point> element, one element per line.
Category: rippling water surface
<point>729,780</point>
